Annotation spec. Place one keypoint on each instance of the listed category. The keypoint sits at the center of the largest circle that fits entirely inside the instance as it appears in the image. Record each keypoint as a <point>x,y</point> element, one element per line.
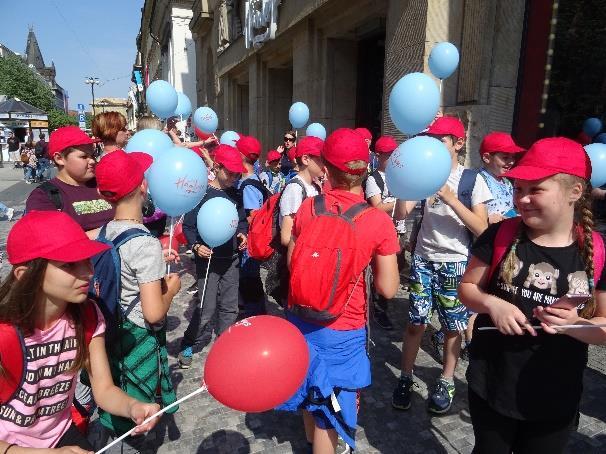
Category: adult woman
<point>111,128</point>
<point>290,140</point>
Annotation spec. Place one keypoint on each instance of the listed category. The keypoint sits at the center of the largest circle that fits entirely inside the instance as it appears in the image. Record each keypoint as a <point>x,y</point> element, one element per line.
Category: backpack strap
<point>257,185</point>
<point>127,235</point>
<point>89,321</point>
<point>53,194</point>
<point>379,180</point>
<point>506,232</point>
<point>13,361</point>
<point>300,183</point>
<point>350,215</point>
<point>599,255</point>
<point>466,185</point>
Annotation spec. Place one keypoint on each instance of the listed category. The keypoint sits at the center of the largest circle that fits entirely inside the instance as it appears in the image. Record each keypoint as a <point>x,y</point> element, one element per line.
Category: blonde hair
<point>148,122</point>
<point>583,218</point>
<point>342,179</point>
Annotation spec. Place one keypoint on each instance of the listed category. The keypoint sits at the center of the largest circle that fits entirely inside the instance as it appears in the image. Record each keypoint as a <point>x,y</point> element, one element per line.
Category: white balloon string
<point>118,440</point>
<point>441,85</point>
<point>205,281</point>
<point>601,325</point>
<point>170,241</point>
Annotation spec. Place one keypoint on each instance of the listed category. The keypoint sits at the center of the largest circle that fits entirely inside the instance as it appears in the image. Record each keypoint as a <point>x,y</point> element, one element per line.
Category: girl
<point>525,383</point>
<point>45,297</point>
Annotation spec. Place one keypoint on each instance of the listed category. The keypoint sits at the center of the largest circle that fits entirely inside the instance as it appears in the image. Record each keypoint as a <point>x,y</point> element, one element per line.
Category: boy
<point>272,177</point>
<point>338,347</point>
<point>253,195</point>
<point>138,360</point>
<point>221,294</point>
<point>74,189</point>
<point>298,188</point>
<point>438,262</point>
<point>377,195</point>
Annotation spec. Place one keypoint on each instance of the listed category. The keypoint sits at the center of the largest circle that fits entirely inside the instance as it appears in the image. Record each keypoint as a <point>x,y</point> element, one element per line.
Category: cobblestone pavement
<point>202,425</point>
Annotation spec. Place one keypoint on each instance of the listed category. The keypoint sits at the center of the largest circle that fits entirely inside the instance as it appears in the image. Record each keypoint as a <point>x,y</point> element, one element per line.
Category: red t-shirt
<point>378,237</point>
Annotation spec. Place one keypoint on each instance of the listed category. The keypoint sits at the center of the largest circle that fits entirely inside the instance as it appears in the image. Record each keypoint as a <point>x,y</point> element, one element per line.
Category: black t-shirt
<point>526,377</point>
<point>13,144</point>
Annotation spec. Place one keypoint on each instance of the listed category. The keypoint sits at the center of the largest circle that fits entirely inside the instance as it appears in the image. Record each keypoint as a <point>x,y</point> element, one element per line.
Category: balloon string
<point>205,280</point>
<point>170,241</point>
<point>441,85</point>
<point>117,440</point>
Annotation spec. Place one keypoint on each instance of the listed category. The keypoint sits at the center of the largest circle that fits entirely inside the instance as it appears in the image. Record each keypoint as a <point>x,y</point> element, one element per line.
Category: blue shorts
<point>433,285</point>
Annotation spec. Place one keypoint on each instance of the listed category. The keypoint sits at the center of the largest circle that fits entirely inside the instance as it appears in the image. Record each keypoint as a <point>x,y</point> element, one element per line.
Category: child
<point>377,195</point>
<point>499,154</point>
<point>253,195</point>
<point>309,164</point>
<point>222,284</point>
<point>272,177</point>
<point>74,189</point>
<point>139,360</point>
<point>438,262</point>
<point>45,297</point>
<point>525,384</point>
<point>339,357</point>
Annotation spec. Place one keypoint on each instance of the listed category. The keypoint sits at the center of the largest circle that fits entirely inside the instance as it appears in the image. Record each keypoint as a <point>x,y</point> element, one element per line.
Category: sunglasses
<point>289,139</point>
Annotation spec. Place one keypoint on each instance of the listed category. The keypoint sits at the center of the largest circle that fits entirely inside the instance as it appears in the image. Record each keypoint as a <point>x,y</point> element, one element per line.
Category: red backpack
<point>264,226</point>
<point>13,357</point>
<point>327,263</point>
<point>507,232</point>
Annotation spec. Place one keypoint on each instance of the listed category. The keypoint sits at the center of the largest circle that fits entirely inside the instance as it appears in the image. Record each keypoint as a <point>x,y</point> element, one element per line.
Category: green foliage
<point>58,118</point>
<point>17,80</point>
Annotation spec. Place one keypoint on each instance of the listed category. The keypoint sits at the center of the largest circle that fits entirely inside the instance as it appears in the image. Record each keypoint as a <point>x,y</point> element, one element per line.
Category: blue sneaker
<point>402,394</point>
<point>440,400</point>
<point>185,358</point>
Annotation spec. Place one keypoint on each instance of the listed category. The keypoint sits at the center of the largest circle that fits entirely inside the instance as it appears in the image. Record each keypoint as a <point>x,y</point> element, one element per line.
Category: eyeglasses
<point>289,139</point>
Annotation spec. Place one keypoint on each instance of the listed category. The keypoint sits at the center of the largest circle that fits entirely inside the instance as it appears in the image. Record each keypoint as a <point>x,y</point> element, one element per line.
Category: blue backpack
<point>106,285</point>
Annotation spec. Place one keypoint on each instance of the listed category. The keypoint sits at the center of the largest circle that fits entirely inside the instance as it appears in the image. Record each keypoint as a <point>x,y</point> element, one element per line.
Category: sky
<point>83,37</point>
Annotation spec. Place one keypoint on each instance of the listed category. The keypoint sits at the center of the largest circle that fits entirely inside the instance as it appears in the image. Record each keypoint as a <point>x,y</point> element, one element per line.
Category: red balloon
<point>179,235</point>
<point>164,241</point>
<point>257,364</point>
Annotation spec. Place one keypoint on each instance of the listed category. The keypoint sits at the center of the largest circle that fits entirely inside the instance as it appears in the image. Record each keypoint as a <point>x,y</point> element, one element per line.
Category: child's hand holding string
<point>508,319</point>
<point>552,317</point>
<point>139,412</point>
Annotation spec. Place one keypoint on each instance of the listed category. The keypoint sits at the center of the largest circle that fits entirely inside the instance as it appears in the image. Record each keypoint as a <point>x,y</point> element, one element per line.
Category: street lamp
<point>92,81</point>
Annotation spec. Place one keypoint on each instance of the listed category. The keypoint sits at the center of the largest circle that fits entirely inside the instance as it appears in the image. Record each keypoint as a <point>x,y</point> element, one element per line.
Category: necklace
<point>138,221</point>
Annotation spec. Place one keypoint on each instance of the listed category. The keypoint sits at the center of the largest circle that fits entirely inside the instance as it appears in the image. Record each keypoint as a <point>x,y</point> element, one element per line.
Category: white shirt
<point>292,197</point>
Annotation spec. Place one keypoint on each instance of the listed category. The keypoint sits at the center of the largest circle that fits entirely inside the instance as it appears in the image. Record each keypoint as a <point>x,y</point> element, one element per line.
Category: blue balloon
<point>298,115</point>
<point>217,221</point>
<point>418,168</point>
<point>600,138</point>
<point>316,130</point>
<point>177,180</point>
<point>183,109</point>
<point>413,103</point>
<point>161,98</point>
<point>597,156</point>
<point>206,120</point>
<point>150,141</point>
<point>592,126</point>
<point>229,138</point>
<point>443,60</point>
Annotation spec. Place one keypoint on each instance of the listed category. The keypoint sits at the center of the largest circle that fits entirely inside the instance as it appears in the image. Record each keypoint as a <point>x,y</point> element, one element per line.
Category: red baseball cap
<point>273,155</point>
<point>364,133</point>
<point>551,156</point>
<point>230,158</point>
<point>385,144</point>
<point>447,125</point>
<point>499,142</point>
<point>345,145</point>
<point>51,235</point>
<point>292,153</point>
<point>249,147</point>
<point>311,146</point>
<point>119,173</point>
<point>65,137</point>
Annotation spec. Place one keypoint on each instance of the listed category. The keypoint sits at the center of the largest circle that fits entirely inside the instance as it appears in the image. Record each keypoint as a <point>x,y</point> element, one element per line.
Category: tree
<point>20,81</point>
<point>58,118</point>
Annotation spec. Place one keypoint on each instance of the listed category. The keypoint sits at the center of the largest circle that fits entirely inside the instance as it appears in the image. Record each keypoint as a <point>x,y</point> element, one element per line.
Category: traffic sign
<point>81,107</point>
<point>81,118</point>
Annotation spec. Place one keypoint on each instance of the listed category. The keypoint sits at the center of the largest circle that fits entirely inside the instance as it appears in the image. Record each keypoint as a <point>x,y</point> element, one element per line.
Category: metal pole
<point>92,90</point>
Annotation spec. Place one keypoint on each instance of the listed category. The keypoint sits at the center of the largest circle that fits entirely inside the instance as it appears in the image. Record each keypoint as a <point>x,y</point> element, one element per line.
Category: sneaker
<point>10,213</point>
<point>382,319</point>
<point>402,393</point>
<point>28,182</point>
<point>440,400</point>
<point>192,288</point>
<point>437,341</point>
<point>185,358</point>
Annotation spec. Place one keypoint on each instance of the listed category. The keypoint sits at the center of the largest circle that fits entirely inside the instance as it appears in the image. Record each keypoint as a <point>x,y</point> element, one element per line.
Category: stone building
<point>110,105</point>
<point>342,58</point>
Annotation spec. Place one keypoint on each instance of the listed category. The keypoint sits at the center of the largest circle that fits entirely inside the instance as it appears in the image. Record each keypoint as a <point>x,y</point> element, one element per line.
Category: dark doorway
<point>369,92</point>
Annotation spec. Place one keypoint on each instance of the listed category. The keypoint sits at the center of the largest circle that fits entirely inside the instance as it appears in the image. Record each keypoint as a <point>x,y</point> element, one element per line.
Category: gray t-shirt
<point>292,197</point>
<point>141,262</point>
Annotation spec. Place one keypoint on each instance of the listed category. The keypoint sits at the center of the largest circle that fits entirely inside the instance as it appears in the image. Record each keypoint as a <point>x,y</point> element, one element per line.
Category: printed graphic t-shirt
<point>376,234</point>
<point>39,415</point>
<point>526,377</point>
<point>82,203</point>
